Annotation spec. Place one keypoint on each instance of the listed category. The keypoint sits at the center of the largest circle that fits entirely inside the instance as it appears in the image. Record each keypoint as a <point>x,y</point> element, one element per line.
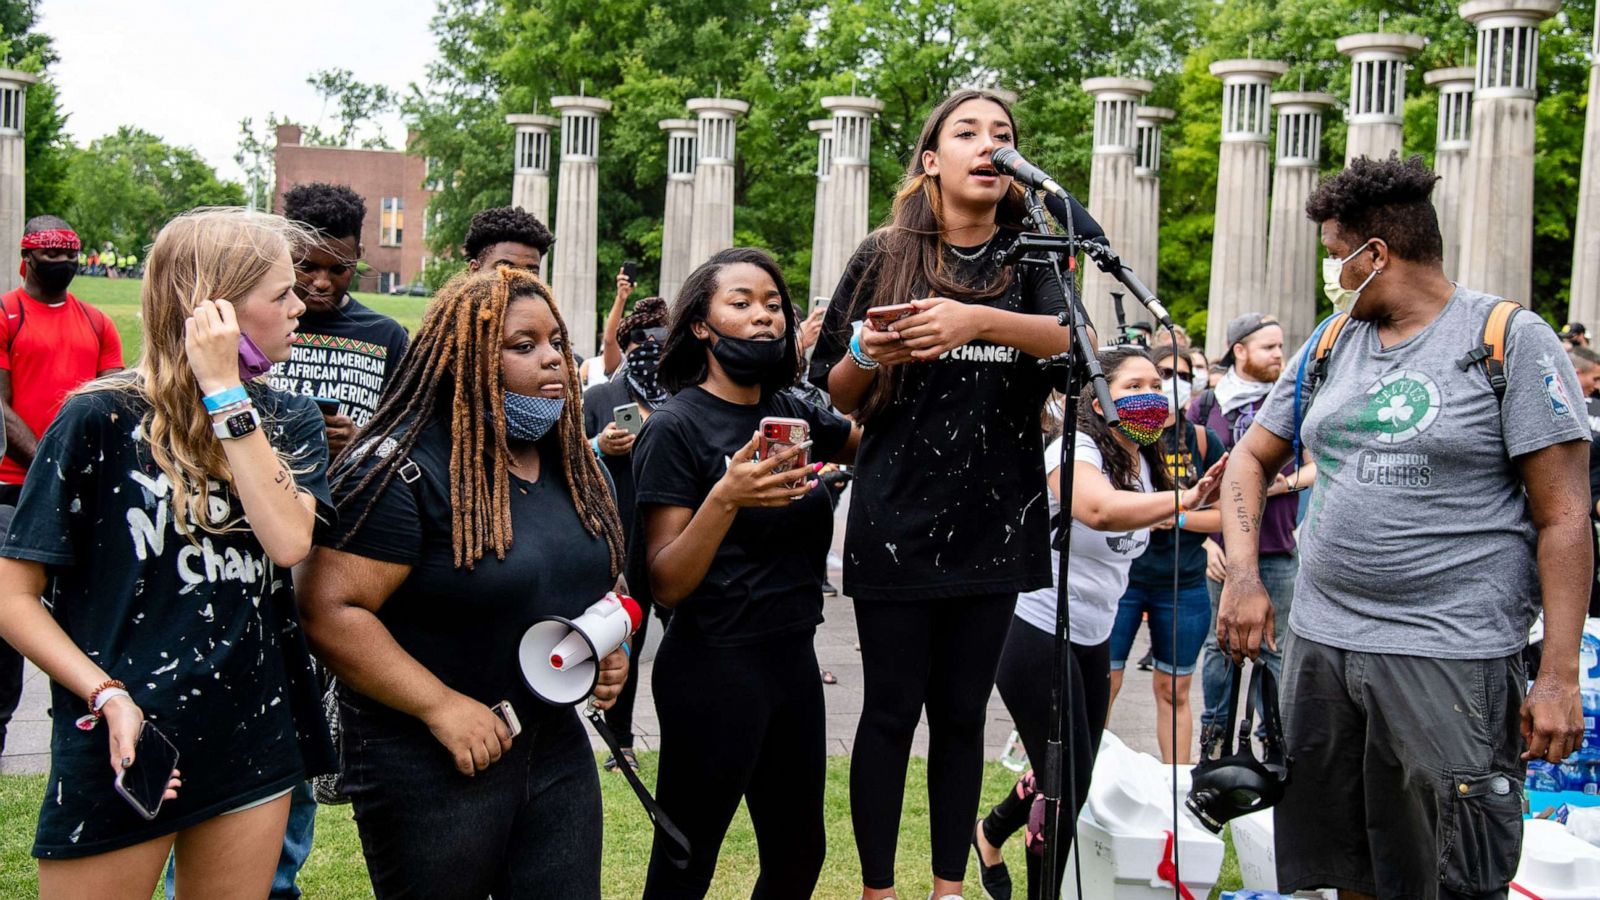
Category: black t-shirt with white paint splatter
<point>949,496</point>
<point>203,632</point>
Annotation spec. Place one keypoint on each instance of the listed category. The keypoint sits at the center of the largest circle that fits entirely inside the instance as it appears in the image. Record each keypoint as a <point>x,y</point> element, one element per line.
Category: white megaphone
<point>561,659</point>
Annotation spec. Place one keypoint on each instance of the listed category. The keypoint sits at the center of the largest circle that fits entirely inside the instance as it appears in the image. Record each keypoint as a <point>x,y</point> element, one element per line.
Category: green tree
<point>126,185</point>
<point>649,56</point>
<point>46,147</point>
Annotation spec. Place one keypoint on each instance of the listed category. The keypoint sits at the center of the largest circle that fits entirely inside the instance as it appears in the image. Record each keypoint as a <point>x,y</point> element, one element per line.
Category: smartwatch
<point>237,425</point>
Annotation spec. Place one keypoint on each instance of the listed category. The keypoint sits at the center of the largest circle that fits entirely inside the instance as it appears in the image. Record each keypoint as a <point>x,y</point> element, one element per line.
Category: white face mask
<point>1342,298</point>
<point>1184,392</point>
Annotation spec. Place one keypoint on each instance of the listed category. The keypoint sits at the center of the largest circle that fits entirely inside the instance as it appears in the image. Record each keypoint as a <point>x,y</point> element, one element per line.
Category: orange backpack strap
<point>1491,354</point>
<point>1330,336</point>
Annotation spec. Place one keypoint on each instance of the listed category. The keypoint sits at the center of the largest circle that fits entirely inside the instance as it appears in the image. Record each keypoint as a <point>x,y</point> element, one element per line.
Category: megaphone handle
<point>676,838</point>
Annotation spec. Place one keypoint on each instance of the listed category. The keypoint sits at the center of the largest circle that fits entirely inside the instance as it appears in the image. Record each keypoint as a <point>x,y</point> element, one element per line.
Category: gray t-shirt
<point>1417,538</point>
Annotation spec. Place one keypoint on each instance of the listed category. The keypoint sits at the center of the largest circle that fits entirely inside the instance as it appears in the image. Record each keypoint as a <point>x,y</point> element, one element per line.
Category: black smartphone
<point>328,405</point>
<point>631,269</point>
<point>144,784</point>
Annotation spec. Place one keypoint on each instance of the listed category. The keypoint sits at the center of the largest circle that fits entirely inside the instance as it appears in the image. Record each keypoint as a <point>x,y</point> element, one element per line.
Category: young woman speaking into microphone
<point>949,520</point>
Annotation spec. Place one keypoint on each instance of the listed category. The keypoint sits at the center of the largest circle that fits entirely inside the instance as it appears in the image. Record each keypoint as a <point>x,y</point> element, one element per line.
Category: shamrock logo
<point>1400,406</point>
<point>1398,412</point>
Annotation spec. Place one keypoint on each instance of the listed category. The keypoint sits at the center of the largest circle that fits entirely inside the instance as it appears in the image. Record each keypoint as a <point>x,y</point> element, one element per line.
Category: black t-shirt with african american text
<point>949,496</point>
<point>766,578</point>
<point>203,631</point>
<point>347,355</point>
<point>464,625</point>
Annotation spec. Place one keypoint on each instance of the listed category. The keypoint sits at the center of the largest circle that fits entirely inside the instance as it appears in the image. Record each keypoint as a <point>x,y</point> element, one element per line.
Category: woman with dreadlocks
<point>738,547</point>
<point>164,508</point>
<point>471,508</point>
<point>639,336</point>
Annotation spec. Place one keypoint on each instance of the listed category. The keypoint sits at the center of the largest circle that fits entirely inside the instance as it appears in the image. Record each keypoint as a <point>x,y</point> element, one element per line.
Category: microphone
<point>1111,263</point>
<point>1010,162</point>
<point>1084,227</point>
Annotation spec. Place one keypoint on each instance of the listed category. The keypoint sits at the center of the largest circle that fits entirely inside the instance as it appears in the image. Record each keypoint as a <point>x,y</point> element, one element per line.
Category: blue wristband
<point>221,399</point>
<point>861,359</point>
<point>1180,520</point>
<point>594,443</point>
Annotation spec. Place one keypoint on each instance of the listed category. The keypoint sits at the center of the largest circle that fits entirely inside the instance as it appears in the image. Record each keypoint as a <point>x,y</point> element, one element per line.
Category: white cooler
<point>1123,831</point>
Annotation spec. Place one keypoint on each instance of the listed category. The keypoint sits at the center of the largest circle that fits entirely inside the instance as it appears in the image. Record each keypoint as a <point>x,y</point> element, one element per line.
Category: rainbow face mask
<point>1143,416</point>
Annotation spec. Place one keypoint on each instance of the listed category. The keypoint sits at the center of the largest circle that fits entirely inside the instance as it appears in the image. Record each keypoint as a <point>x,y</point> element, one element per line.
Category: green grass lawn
<point>119,299</point>
<point>336,871</point>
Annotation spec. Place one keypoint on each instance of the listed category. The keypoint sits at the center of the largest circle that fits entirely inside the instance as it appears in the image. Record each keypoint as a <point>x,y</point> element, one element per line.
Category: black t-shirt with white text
<point>949,496</point>
<point>599,410</point>
<point>465,625</point>
<point>347,355</point>
<point>203,631</point>
<point>766,578</point>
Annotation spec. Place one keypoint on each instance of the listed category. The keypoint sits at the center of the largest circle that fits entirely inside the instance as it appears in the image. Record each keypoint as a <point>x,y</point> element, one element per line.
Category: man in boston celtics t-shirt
<point>343,352</point>
<point>1442,518</point>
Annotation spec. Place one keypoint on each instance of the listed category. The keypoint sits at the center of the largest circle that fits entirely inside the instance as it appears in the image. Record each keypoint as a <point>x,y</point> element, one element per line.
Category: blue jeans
<point>1193,615</point>
<point>1278,572</point>
<point>296,846</point>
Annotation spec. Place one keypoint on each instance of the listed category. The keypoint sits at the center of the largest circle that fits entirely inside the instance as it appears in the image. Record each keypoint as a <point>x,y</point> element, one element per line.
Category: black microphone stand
<point>1047,250</point>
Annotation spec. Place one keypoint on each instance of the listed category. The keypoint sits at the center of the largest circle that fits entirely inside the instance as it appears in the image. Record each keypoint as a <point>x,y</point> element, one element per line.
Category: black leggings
<point>1024,682</point>
<point>619,718</point>
<point>741,722</point>
<point>941,653</point>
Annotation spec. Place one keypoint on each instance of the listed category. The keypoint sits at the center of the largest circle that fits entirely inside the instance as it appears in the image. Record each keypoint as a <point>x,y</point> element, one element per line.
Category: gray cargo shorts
<point>1406,779</point>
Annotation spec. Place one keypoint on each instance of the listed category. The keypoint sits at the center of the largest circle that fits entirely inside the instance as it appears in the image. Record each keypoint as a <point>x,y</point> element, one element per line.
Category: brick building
<point>391,183</point>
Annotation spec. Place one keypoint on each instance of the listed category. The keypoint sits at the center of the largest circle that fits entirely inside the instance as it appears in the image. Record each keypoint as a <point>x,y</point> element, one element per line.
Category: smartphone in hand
<point>628,418</point>
<point>509,716</point>
<point>144,784</point>
<point>882,317</point>
<point>631,270</point>
<point>779,434</point>
<point>328,405</point>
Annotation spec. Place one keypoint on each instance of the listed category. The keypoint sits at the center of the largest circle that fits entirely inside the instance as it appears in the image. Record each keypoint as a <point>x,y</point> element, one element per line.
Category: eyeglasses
<point>1168,372</point>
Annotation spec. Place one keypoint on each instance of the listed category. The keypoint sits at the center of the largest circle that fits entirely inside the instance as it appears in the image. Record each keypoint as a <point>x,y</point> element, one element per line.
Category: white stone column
<point>1144,250</point>
<point>678,221</point>
<point>847,194</point>
<point>13,96</point>
<point>1111,187</point>
<point>819,216</point>
<point>1377,112</point>
<point>713,176</point>
<point>1293,278</point>
<point>1585,303</point>
<point>1239,233</point>
<point>1497,204</point>
<point>577,218</point>
<point>530,177</point>
<point>1453,141</point>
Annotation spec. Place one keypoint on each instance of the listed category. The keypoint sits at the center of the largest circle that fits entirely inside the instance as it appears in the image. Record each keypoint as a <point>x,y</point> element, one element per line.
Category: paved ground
<point>1133,718</point>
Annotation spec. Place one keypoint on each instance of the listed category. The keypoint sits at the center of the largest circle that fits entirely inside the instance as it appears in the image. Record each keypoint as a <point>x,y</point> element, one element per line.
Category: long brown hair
<point>205,253</point>
<point>1119,463</point>
<point>907,256</point>
<point>452,370</point>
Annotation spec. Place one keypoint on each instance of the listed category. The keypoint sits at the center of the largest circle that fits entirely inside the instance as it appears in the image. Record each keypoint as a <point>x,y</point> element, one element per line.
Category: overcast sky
<point>189,71</point>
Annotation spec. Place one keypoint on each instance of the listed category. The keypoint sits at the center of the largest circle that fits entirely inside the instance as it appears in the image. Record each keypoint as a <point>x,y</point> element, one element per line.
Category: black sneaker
<point>996,879</point>
<point>1146,662</point>
<point>828,590</point>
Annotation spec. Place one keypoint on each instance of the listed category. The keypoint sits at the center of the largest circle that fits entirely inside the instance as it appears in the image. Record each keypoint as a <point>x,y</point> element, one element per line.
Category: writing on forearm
<point>1246,519</point>
<point>283,480</point>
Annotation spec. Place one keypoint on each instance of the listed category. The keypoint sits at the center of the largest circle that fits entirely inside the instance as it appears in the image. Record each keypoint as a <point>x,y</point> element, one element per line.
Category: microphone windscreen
<point>1082,223</point>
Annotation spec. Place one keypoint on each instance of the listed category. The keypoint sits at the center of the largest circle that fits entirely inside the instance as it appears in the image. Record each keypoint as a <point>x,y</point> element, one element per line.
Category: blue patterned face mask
<point>530,418</point>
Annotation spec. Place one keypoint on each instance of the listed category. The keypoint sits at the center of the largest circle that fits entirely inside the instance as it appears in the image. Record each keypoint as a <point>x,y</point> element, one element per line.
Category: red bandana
<point>53,239</point>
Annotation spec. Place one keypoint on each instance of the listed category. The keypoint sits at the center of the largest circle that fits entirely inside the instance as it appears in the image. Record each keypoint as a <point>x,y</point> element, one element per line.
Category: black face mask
<point>640,373</point>
<point>53,277</point>
<point>750,363</point>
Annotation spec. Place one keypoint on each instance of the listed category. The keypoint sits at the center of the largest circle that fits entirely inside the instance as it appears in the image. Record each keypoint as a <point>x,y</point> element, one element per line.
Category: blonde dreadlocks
<point>457,350</point>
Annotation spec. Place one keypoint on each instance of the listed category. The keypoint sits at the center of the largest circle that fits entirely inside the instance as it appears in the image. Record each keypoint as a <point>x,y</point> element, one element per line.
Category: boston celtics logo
<point>1401,405</point>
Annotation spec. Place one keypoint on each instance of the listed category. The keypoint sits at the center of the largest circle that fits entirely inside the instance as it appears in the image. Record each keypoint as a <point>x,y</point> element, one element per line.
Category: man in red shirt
<point>50,343</point>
